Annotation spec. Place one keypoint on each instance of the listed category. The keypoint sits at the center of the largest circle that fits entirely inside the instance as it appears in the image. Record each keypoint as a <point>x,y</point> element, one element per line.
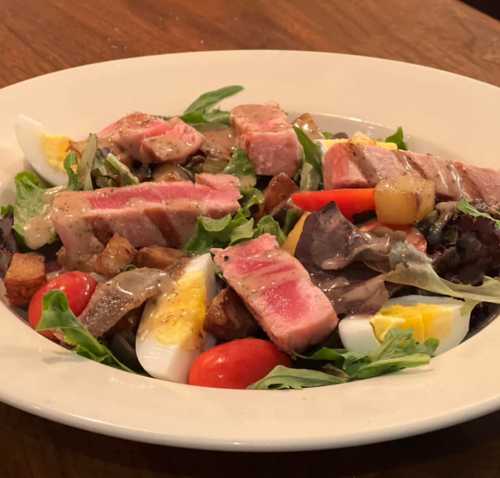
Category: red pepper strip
<point>349,201</point>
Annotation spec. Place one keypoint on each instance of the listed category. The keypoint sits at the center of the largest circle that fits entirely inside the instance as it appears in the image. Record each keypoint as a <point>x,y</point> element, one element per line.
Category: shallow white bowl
<point>444,113</point>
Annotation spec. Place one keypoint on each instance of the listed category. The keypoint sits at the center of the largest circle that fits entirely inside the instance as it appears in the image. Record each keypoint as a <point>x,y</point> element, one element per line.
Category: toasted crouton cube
<point>25,275</point>
<point>117,255</point>
<point>158,257</point>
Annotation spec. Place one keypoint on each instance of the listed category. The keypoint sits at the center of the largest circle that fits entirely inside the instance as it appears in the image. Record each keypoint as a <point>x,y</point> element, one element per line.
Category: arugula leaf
<point>328,135</point>
<point>398,351</point>
<point>218,232</point>
<point>200,110</point>
<point>268,225</point>
<point>199,117</point>
<point>241,167</point>
<point>466,207</point>
<point>229,230</point>
<point>32,204</point>
<point>398,139</point>
<point>281,378</point>
<point>414,268</point>
<point>311,172</point>
<point>209,99</point>
<point>56,316</point>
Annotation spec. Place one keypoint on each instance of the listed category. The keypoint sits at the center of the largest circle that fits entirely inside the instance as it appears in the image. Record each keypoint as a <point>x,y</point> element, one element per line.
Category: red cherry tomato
<point>78,288</point>
<point>413,235</point>
<point>236,364</point>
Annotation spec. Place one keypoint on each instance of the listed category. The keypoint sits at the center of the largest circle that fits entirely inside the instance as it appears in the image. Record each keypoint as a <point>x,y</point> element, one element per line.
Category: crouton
<point>158,257</point>
<point>25,275</point>
<point>117,255</point>
<point>228,318</point>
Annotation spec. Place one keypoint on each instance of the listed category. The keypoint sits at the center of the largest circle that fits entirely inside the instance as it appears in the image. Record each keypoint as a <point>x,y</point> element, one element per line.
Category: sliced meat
<point>277,193</point>
<point>228,318</point>
<point>148,214</point>
<point>158,257</point>
<point>339,169</point>
<point>278,291</point>
<point>268,138</point>
<point>347,165</point>
<point>25,275</point>
<point>152,139</point>
<point>219,182</point>
<point>117,255</point>
<point>113,299</point>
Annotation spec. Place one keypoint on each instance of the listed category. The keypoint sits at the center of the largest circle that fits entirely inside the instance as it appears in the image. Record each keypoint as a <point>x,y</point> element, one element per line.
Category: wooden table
<point>39,36</point>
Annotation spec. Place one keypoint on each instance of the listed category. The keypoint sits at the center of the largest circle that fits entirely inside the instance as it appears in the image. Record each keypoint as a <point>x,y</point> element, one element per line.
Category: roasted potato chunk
<point>228,318</point>
<point>117,255</point>
<point>158,257</point>
<point>25,275</point>
<point>404,200</point>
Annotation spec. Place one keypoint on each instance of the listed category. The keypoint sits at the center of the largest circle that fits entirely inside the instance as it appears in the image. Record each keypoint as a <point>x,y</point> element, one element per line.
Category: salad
<point>247,248</point>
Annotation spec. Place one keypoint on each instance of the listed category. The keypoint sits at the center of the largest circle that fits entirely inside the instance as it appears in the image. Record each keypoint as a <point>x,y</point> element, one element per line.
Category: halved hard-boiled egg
<point>171,334</point>
<point>357,138</point>
<point>44,152</point>
<point>442,318</point>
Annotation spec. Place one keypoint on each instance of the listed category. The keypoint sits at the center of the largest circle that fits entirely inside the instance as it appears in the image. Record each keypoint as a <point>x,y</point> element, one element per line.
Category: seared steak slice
<point>268,138</point>
<point>150,139</point>
<point>346,165</point>
<point>148,214</point>
<point>278,291</point>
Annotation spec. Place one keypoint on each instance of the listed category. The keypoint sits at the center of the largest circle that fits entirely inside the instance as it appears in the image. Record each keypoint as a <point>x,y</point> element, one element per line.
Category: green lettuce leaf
<point>413,268</point>
<point>57,316</point>
<point>31,210</point>
<point>398,351</point>
<point>398,138</point>
<point>219,232</point>
<point>241,167</point>
<point>268,225</point>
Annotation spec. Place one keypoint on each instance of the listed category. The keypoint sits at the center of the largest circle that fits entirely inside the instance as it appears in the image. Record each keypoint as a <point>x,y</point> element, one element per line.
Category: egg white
<point>172,361</point>
<point>357,334</point>
<point>30,134</point>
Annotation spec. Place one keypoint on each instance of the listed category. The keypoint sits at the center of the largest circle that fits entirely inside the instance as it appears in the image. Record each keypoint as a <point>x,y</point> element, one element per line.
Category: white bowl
<point>444,113</point>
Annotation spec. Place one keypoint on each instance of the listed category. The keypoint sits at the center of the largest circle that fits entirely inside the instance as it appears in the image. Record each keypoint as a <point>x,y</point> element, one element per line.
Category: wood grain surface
<point>40,36</point>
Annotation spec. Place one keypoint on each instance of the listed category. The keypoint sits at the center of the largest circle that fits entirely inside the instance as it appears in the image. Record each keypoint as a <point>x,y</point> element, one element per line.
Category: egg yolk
<point>178,317</point>
<point>55,149</point>
<point>426,320</point>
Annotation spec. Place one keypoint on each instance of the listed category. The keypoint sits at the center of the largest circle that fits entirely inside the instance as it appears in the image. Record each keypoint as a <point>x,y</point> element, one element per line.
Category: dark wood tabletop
<point>40,36</point>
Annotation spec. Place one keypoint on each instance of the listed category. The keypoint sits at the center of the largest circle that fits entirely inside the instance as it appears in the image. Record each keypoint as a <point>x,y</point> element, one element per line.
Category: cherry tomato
<point>413,235</point>
<point>236,364</point>
<point>78,288</point>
